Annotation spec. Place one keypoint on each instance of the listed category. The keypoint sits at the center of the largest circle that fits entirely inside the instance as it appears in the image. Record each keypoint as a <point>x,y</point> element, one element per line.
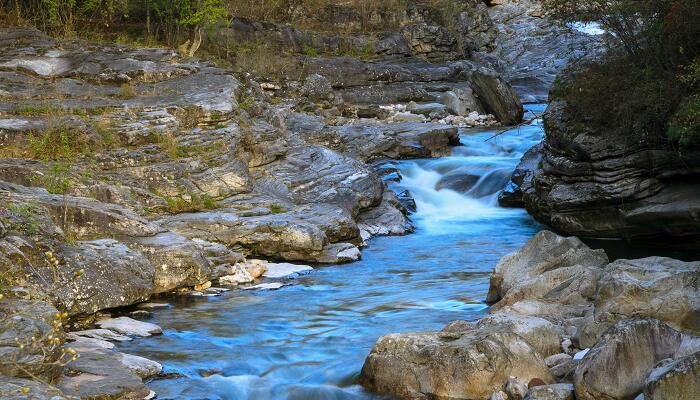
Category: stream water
<point>309,340</point>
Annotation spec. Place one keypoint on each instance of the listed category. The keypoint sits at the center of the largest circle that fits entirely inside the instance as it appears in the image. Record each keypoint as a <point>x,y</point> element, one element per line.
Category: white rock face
<point>143,367</point>
<point>285,270</point>
<point>129,326</point>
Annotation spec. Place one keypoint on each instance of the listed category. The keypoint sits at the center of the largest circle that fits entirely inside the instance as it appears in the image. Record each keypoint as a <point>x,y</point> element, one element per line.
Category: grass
<point>43,109</point>
<point>277,209</point>
<point>189,203</point>
<point>27,214</point>
<point>55,181</point>
<point>126,91</point>
<point>58,143</point>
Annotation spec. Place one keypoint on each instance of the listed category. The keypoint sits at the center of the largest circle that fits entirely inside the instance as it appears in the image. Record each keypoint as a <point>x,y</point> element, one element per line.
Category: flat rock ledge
<point>565,324</point>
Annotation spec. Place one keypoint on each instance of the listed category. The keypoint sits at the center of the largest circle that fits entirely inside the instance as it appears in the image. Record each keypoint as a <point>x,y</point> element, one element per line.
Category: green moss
<point>277,209</point>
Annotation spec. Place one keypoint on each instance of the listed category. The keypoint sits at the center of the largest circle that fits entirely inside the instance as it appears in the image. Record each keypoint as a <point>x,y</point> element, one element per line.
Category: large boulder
<point>539,333</point>
<point>677,379</point>
<point>617,366</point>
<point>592,184</point>
<point>498,98</point>
<point>654,287</point>
<point>456,363</point>
<point>544,253</point>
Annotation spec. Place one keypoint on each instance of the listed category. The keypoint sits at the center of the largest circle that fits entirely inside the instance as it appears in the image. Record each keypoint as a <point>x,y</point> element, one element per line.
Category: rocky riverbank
<point>566,323</point>
<point>126,173</point>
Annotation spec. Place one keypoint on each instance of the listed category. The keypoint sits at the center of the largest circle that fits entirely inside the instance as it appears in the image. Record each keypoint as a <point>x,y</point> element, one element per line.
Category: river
<point>308,340</point>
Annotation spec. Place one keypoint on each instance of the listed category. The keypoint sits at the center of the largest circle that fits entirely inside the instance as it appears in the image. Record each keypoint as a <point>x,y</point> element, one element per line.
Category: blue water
<point>309,340</point>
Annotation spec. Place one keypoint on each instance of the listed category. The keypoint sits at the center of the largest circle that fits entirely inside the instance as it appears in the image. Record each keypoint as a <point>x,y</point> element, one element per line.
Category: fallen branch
<point>526,122</point>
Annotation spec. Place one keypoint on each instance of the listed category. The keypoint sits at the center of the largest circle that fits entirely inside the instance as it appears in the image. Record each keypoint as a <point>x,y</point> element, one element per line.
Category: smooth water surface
<point>309,340</point>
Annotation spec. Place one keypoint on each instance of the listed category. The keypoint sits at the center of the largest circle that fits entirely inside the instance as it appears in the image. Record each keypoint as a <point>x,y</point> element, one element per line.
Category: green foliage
<point>55,180</point>
<point>21,216</point>
<point>58,143</point>
<point>684,127</point>
<point>189,203</point>
<point>647,85</point>
<point>277,209</point>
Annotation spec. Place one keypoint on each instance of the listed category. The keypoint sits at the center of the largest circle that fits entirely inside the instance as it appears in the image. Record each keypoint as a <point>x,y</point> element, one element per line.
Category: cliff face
<point>585,182</point>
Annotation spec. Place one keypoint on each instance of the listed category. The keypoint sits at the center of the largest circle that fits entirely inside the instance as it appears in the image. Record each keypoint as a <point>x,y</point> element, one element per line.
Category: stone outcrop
<point>599,330</point>
<point>470,364</point>
<point>616,367</point>
<point>588,183</point>
<point>674,379</point>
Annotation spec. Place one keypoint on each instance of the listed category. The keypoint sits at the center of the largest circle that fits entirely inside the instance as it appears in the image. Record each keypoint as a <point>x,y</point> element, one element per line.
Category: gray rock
<point>654,287</point>
<point>469,364</point>
<point>515,389</point>
<point>526,269</point>
<point>557,359</point>
<point>285,270</point>
<point>539,333</point>
<point>141,366</point>
<point>25,389</point>
<point>21,356</point>
<point>674,379</point>
<point>317,87</point>
<point>128,326</point>
<point>100,374</point>
<point>581,182</point>
<point>560,391</point>
<point>498,98</point>
<point>616,367</point>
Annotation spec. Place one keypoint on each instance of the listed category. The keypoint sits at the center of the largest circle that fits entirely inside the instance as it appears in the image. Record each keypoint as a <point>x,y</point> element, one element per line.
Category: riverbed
<point>308,340</point>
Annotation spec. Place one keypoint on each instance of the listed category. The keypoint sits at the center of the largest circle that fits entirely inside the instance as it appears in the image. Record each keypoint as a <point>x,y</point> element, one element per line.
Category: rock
<point>240,275</point>
<point>102,334</point>
<point>21,355</point>
<point>128,326</point>
<point>498,98</point>
<point>82,343</point>
<point>559,391</point>
<point>317,87</point>
<point>583,181</point>
<point>616,367</point>
<point>141,366</point>
<point>100,374</point>
<point>557,359</point>
<point>266,286</point>
<point>202,286</point>
<point>674,379</point>
<point>256,268</point>
<point>654,287</point>
<point>24,389</point>
<point>521,179</point>
<point>150,306</point>
<point>500,395</point>
<point>471,364</point>
<point>564,372</point>
<point>535,269</point>
<point>515,389</point>
<point>579,355</point>
<point>285,270</point>
<point>539,333</point>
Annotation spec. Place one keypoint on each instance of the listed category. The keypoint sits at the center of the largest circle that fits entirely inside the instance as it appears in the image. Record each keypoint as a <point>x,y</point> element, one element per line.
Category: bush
<point>648,83</point>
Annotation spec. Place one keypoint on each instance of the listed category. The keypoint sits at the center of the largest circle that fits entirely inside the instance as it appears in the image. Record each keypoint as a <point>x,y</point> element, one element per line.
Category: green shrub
<point>58,143</point>
<point>684,127</point>
<point>189,203</point>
